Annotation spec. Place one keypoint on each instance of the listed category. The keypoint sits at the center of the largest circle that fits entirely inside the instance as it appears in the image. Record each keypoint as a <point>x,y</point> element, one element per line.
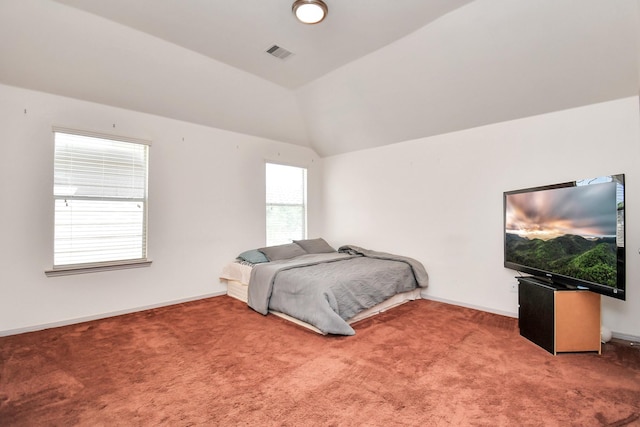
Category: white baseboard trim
<point>8,332</point>
<point>475,307</point>
<point>41,327</point>
<point>626,337</point>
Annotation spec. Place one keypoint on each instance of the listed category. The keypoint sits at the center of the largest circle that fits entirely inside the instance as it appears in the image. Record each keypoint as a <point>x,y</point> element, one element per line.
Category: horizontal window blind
<point>286,191</point>
<point>100,192</point>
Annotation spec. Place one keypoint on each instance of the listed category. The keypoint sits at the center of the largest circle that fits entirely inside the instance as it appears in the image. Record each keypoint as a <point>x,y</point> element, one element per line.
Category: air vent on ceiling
<point>279,52</point>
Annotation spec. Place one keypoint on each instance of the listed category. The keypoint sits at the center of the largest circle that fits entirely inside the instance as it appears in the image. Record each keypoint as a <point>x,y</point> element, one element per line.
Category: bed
<point>311,284</point>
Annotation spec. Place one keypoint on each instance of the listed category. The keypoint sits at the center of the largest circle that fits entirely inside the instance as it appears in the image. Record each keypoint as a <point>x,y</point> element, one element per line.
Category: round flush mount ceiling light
<point>309,11</point>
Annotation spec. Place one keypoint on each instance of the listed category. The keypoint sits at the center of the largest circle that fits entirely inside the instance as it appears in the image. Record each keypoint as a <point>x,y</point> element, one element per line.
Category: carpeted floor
<point>216,362</point>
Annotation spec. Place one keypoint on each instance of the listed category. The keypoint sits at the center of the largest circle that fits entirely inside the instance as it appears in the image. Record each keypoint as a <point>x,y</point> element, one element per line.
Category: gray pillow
<point>290,250</point>
<point>315,246</point>
<point>253,256</point>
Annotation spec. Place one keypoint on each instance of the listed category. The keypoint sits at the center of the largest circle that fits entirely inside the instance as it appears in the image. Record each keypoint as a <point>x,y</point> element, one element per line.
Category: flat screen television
<point>569,234</point>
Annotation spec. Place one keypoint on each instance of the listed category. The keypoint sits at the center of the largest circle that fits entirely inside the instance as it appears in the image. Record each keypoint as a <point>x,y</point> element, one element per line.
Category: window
<point>100,193</point>
<point>286,203</point>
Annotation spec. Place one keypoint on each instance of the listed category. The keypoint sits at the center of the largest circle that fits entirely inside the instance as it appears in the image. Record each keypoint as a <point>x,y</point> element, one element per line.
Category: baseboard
<point>626,337</point>
<point>8,332</point>
<point>475,307</point>
<point>41,327</point>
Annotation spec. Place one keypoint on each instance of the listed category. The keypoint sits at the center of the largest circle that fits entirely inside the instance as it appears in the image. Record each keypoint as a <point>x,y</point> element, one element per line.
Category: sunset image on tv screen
<point>569,231</point>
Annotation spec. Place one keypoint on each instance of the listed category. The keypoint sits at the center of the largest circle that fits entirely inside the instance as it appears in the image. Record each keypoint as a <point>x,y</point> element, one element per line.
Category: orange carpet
<point>216,362</point>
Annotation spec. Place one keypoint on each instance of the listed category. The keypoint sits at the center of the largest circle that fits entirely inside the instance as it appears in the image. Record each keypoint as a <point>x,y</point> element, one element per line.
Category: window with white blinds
<point>100,192</point>
<point>286,203</point>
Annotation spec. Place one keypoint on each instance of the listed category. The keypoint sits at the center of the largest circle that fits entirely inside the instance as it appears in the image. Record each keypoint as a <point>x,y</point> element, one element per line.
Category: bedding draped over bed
<point>327,289</point>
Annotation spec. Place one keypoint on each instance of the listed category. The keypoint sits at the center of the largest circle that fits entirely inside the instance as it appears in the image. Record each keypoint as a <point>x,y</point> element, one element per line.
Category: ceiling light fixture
<point>310,11</point>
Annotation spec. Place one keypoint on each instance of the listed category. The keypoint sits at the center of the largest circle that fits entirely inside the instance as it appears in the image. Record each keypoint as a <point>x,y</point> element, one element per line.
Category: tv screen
<point>570,234</point>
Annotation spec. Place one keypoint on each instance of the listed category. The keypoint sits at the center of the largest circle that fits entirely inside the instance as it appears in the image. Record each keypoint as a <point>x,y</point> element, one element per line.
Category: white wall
<point>439,199</point>
<point>206,204</point>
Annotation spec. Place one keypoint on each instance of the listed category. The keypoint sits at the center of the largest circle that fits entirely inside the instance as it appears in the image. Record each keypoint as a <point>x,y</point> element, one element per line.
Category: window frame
<point>89,267</point>
<point>305,204</point>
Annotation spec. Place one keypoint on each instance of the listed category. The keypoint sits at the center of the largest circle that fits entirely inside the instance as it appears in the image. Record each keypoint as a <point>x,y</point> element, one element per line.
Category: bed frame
<point>240,291</point>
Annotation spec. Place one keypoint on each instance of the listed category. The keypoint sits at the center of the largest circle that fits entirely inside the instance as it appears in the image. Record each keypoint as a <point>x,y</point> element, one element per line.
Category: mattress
<point>237,271</point>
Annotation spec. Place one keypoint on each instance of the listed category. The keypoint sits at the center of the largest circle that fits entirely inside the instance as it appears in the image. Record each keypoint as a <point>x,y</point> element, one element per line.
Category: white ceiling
<point>395,71</point>
<point>238,32</point>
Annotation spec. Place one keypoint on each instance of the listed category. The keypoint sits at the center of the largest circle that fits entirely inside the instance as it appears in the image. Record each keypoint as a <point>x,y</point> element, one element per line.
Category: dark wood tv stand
<point>557,318</point>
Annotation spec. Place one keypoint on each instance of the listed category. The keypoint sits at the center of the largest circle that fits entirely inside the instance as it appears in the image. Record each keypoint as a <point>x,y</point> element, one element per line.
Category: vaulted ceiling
<point>239,32</point>
<point>375,72</point>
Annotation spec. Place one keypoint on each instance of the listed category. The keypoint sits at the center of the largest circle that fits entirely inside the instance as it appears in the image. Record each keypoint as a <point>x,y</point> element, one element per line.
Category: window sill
<point>94,268</point>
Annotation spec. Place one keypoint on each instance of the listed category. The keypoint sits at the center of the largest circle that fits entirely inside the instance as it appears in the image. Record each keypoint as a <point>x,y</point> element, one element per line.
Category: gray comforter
<point>326,290</point>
